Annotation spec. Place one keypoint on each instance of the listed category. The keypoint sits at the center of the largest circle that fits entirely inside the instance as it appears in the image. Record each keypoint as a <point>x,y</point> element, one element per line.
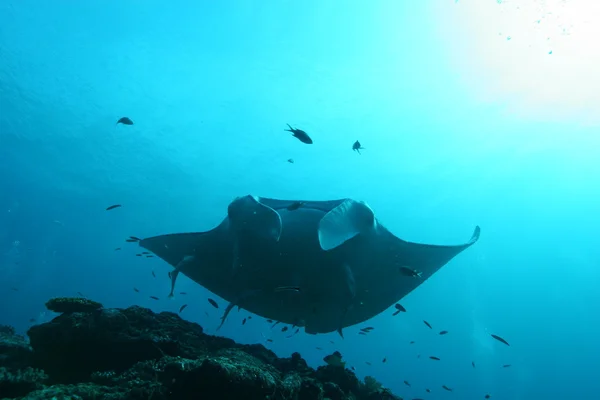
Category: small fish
<point>135,238</point>
<point>149,256</point>
<point>213,303</point>
<point>276,322</point>
<point>182,308</point>
<point>412,342</point>
<point>487,396</point>
<point>14,289</point>
<point>446,388</point>
<point>367,329</point>
<point>249,317</point>
<point>407,383</point>
<point>395,313</point>
<point>300,135</point>
<point>270,321</point>
<point>498,338</point>
<point>296,205</point>
<point>443,332</point>
<point>428,391</point>
<point>290,160</point>
<point>244,321</point>
<point>413,273</point>
<point>130,240</point>
<point>335,359</point>
<point>293,334</point>
<point>113,207</point>
<point>154,298</point>
<point>138,255</point>
<point>80,294</point>
<point>117,248</point>
<point>318,348</point>
<point>506,366</point>
<point>285,328</point>
<point>362,333</point>
<point>427,323</point>
<point>145,252</point>
<point>473,364</point>
<point>368,363</point>
<point>434,358</point>
<point>287,289</point>
<point>357,147</point>
<point>331,341</point>
<point>136,290</point>
<point>384,360</point>
<point>32,320</point>
<point>124,121</point>
<point>184,293</point>
<point>270,340</point>
<point>400,308</point>
<point>153,274</point>
<point>352,368</point>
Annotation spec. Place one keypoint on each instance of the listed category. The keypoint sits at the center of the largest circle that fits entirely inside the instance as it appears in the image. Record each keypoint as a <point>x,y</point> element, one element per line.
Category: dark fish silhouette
<point>113,207</point>
<point>412,342</point>
<point>413,273</point>
<point>153,274</point>
<point>295,205</point>
<point>446,388</point>
<point>124,121</point>
<point>130,240</point>
<point>244,321</point>
<point>357,147</point>
<point>506,366</point>
<point>117,249</point>
<point>498,338</point>
<point>384,360</point>
<point>428,391</point>
<point>407,383</point>
<point>368,363</point>
<point>138,255</point>
<point>473,364</point>
<point>136,290</point>
<point>290,160</point>
<point>362,333</point>
<point>443,332</point>
<point>134,238</point>
<point>427,323</point>
<point>400,308</point>
<point>182,308</point>
<point>487,396</point>
<point>285,328</point>
<point>213,303</point>
<point>434,358</point>
<point>184,293</point>
<point>300,135</point>
<point>154,297</point>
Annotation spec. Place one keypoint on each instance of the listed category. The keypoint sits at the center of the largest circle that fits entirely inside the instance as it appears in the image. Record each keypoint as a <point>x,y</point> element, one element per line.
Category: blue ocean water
<point>471,113</point>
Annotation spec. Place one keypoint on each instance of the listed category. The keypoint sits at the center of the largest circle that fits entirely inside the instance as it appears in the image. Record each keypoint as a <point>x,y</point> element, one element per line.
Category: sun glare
<point>541,57</point>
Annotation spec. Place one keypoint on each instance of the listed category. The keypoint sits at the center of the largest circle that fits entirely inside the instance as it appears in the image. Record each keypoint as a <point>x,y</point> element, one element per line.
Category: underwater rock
<point>134,353</point>
<point>72,305</point>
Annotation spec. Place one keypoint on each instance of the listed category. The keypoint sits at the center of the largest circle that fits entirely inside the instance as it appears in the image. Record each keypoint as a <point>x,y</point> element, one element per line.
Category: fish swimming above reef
<point>341,261</point>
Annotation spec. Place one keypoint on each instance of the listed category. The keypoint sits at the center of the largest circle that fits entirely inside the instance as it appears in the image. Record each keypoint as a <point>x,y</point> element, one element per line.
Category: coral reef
<point>90,352</point>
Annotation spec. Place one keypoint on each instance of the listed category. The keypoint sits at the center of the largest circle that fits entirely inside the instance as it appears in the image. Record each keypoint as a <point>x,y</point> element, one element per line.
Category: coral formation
<point>90,352</point>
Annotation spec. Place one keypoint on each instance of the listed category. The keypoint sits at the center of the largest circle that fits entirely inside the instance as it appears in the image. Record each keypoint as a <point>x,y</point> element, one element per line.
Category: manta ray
<point>321,265</point>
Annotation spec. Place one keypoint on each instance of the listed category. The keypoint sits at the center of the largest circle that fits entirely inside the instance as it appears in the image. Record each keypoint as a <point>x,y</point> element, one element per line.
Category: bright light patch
<point>541,58</point>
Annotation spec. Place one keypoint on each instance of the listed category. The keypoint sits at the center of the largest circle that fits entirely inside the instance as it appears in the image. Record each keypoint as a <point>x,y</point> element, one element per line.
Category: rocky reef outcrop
<point>90,352</point>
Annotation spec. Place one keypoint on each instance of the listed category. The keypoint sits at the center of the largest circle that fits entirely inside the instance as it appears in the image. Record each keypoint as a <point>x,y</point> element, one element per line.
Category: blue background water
<point>464,122</point>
